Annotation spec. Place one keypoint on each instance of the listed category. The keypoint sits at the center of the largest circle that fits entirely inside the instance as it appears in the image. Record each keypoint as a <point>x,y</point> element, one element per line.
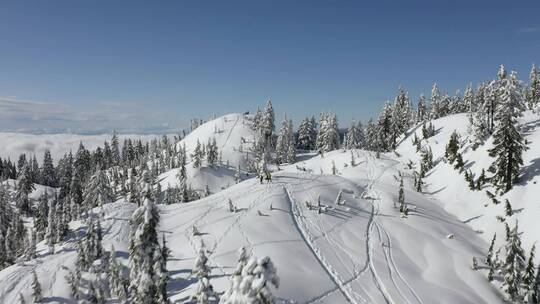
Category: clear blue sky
<point>147,66</point>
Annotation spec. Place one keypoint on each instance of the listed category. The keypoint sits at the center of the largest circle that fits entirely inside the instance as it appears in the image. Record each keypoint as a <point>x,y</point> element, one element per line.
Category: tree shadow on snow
<point>57,300</point>
<point>530,172</point>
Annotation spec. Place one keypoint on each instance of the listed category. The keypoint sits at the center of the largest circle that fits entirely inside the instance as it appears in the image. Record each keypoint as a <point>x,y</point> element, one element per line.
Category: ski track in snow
<point>387,250</point>
<point>230,132</point>
<point>301,227</point>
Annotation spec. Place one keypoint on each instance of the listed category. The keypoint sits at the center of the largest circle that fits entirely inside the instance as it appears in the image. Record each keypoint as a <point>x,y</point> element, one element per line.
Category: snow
<point>233,131</point>
<point>475,208</point>
<point>361,251</point>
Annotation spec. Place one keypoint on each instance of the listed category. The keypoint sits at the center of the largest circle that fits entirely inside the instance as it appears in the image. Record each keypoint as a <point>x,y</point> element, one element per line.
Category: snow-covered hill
<point>234,137</point>
<point>475,207</point>
<point>358,252</point>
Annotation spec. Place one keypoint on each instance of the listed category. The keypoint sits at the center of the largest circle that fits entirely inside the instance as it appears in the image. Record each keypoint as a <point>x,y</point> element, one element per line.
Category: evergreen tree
<point>489,256</point>
<point>435,103</point>
<point>143,246</point>
<point>204,291</point>
<point>36,288</point>
<point>212,152</point>
<point>533,93</point>
<point>452,148</point>
<point>253,284</point>
<point>354,138</point>
<point>197,155</point>
<point>307,134</point>
<point>162,272</point>
<point>48,177</point>
<point>514,265</point>
<point>508,142</point>
<point>97,191</point>
<point>421,112</point>
<point>24,187</point>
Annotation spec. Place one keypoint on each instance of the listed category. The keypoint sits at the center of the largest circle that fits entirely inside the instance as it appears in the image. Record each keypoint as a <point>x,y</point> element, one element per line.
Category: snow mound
<point>234,137</point>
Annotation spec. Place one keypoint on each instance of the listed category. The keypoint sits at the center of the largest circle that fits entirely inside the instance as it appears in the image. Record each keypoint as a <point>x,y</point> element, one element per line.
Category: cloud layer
<point>22,115</point>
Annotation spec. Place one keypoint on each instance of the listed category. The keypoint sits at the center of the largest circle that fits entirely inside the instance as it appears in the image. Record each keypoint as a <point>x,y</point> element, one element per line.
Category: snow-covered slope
<point>234,137</point>
<point>359,252</point>
<point>475,207</point>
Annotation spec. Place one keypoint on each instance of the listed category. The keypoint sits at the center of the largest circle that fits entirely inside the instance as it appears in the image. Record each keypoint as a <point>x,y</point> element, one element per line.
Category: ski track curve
<point>300,226</point>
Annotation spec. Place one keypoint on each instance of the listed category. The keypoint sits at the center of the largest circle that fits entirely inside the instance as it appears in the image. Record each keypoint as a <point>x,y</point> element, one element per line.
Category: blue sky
<point>91,66</point>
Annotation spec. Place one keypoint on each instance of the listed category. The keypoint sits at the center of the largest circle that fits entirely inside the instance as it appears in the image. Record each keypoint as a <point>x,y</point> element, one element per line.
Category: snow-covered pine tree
<point>48,176</point>
<point>196,156</point>
<point>534,290</point>
<point>435,110</point>
<point>204,291</point>
<point>307,134</point>
<point>283,142</point>
<point>401,198</point>
<point>37,297</point>
<point>143,249</point>
<point>514,266</point>
<point>97,191</point>
<point>383,138</point>
<point>50,233</point>
<point>533,92</point>
<point>162,273</point>
<point>528,276</point>
<point>508,143</point>
<point>267,123</point>
<point>452,148</point>
<point>421,111</point>
<point>24,187</point>
<point>354,137</point>
<point>489,256</point>
<point>401,116</point>
<point>253,284</point>
<point>212,152</point>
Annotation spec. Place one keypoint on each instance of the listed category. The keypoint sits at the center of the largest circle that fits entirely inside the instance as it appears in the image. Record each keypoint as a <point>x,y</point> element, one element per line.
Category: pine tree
<point>508,142</point>
<point>162,272</point>
<point>48,176</point>
<point>354,138</point>
<point>212,152</point>
<point>489,256</point>
<point>528,276</point>
<point>267,123</point>
<point>435,103</point>
<point>253,284</point>
<point>204,291</point>
<point>534,290</point>
<point>284,141</point>
<point>24,187</point>
<point>98,191</point>
<point>36,288</point>
<point>50,233</point>
<point>307,134</point>
<point>452,148</point>
<point>514,265</point>
<point>508,208</point>
<point>196,156</point>
<point>421,112</point>
<point>143,246</point>
<point>401,198</point>
<point>533,93</point>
